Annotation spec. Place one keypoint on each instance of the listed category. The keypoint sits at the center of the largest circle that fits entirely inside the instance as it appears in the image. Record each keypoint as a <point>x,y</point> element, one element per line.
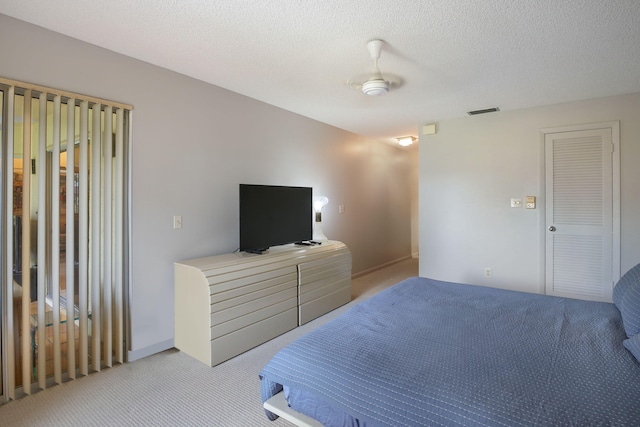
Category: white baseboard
<point>381,266</point>
<point>148,351</point>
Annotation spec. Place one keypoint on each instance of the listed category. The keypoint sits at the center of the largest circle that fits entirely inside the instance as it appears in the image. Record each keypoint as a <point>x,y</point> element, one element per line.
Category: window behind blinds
<point>64,235</point>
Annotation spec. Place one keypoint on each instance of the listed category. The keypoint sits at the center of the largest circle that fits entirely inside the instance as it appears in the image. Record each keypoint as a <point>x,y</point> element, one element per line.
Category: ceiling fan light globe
<point>375,87</point>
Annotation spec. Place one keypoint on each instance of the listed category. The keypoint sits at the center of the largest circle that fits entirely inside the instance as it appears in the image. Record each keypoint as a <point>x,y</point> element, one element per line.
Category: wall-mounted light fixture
<point>318,204</point>
<point>406,140</point>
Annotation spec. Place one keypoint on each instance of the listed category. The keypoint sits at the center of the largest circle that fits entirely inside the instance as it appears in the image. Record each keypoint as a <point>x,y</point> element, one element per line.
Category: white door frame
<point>614,126</point>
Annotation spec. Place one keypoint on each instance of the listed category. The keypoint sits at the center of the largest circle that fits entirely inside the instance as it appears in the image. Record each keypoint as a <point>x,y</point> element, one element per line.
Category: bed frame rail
<point>278,405</point>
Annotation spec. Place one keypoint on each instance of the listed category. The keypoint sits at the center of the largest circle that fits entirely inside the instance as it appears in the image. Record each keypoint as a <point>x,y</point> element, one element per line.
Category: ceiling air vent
<point>486,110</point>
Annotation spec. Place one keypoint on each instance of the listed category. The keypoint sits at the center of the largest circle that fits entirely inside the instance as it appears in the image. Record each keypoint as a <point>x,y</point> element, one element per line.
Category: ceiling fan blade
<point>354,84</point>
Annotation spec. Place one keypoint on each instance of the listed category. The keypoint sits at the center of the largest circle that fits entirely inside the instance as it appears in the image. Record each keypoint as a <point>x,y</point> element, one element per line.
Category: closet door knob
<point>552,228</point>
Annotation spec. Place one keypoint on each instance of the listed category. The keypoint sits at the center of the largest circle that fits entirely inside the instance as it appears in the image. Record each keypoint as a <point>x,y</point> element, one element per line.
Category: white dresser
<point>228,304</point>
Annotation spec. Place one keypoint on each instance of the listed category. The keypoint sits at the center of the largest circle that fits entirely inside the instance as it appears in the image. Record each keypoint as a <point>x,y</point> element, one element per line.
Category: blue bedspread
<point>425,352</point>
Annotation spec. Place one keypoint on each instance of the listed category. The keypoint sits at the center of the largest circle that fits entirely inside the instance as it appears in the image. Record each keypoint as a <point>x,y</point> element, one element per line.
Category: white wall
<point>415,213</point>
<point>193,143</point>
<point>473,166</point>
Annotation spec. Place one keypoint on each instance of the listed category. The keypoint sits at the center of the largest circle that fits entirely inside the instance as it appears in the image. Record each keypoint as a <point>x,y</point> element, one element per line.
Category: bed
<point>426,352</point>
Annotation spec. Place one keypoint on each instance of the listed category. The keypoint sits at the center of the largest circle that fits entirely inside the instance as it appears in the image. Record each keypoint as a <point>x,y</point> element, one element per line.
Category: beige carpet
<point>173,389</point>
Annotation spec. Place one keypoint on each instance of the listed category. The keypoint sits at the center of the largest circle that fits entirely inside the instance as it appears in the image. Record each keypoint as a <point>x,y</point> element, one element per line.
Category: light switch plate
<point>530,202</point>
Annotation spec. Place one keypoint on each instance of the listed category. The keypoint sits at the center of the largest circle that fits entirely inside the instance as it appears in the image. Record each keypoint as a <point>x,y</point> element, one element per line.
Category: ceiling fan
<point>374,84</point>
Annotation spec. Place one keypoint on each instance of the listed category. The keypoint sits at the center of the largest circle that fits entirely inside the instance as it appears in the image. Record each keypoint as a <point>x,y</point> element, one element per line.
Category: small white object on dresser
<point>228,304</point>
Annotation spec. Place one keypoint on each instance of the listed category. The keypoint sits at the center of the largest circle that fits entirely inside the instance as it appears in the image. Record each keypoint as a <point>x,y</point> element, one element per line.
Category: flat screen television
<point>272,215</point>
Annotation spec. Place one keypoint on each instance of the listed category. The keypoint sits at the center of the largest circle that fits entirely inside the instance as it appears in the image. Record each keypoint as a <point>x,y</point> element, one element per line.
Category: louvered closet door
<point>579,214</point>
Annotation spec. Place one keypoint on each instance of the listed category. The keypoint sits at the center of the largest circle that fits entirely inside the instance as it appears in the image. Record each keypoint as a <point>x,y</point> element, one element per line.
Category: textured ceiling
<point>453,55</point>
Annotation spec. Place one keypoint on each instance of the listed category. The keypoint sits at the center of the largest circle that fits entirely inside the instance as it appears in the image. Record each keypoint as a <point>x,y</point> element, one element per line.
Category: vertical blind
<point>64,235</point>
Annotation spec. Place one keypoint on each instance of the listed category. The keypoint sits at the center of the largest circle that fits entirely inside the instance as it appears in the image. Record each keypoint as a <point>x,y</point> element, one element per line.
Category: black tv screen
<point>272,215</point>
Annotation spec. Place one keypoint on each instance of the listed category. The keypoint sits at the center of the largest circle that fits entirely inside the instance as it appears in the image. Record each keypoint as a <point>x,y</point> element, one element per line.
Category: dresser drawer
<point>324,304</point>
<point>223,328</point>
<point>246,277</point>
<point>253,289</point>
<point>219,316</point>
<point>234,343</point>
<point>325,286</point>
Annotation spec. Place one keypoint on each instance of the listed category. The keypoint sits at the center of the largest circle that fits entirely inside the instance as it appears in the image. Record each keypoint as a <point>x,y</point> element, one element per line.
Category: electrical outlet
<point>487,272</point>
<point>177,222</point>
<point>341,209</point>
<point>516,203</point>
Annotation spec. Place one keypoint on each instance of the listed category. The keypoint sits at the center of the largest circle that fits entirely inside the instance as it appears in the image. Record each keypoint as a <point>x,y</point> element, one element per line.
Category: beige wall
<point>193,143</point>
<point>473,166</point>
